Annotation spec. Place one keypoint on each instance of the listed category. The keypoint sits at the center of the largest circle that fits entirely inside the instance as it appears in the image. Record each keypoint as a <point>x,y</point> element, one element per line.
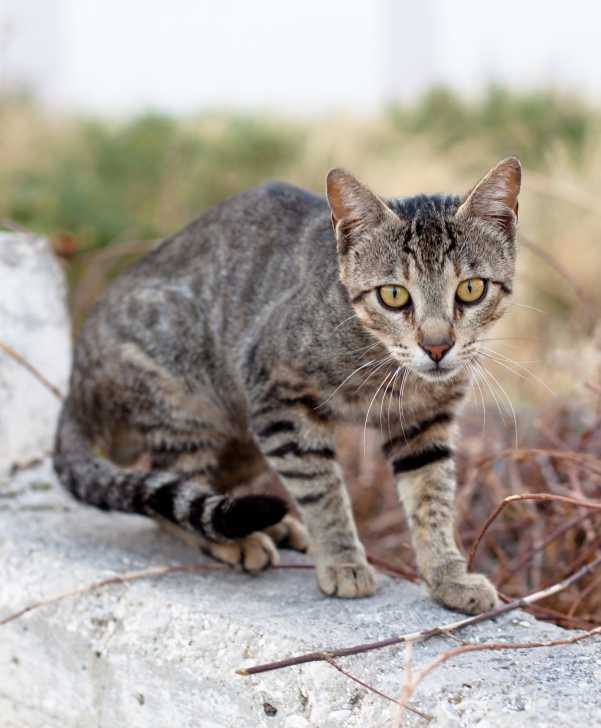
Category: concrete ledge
<point>35,323</point>
<point>164,652</point>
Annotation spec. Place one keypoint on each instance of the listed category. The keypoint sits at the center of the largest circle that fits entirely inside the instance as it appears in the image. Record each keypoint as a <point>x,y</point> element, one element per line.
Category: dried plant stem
<point>31,369</point>
<point>455,651</point>
<point>130,576</point>
<point>324,655</point>
<point>586,461</point>
<point>373,690</point>
<point>526,497</point>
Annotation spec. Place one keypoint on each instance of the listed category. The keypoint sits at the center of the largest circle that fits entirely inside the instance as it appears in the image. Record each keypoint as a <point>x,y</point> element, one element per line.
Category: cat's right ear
<point>354,207</point>
<point>495,198</point>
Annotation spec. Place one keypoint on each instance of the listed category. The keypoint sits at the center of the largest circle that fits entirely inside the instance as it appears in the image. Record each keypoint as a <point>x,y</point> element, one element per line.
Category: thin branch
<point>31,369</point>
<point>525,497</point>
<point>384,566</point>
<point>323,655</point>
<point>13,226</point>
<point>373,690</point>
<point>581,459</point>
<point>490,646</point>
<point>130,576</point>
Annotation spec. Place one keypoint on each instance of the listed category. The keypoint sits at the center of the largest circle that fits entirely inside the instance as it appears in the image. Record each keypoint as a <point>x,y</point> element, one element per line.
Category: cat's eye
<point>472,290</point>
<point>394,296</point>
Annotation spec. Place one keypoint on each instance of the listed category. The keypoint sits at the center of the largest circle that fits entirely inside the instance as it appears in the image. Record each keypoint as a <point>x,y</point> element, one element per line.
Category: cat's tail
<point>178,497</point>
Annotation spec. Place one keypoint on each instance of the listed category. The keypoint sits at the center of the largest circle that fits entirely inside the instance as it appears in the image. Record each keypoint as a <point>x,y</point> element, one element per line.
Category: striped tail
<point>178,497</point>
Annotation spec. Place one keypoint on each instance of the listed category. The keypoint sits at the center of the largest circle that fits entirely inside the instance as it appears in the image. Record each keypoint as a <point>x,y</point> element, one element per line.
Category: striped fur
<point>241,343</point>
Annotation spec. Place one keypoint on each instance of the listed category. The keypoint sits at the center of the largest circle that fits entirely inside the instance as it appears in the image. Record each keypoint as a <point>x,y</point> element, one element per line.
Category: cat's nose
<point>436,348</point>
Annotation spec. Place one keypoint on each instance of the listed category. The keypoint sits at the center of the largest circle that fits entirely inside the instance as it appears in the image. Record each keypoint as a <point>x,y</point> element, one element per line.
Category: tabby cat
<point>243,341</point>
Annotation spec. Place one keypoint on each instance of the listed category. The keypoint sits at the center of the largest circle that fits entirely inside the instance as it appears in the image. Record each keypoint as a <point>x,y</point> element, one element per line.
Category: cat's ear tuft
<point>354,207</point>
<point>495,198</point>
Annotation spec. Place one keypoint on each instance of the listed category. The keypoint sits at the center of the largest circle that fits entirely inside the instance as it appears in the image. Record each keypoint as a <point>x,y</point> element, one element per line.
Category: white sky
<point>309,56</point>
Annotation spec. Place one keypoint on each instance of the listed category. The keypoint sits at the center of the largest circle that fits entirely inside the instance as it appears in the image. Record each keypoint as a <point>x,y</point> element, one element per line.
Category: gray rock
<point>34,322</point>
<point>164,651</point>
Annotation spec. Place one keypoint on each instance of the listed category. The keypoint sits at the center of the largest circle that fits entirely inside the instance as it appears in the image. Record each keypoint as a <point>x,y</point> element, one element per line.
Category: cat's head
<point>428,275</point>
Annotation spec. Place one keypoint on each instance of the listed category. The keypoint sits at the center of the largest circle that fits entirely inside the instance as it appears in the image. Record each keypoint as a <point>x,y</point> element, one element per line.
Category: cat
<point>241,342</point>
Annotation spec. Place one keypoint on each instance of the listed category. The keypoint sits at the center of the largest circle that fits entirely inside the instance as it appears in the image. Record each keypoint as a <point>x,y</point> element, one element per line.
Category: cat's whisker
<point>492,354</point>
<point>383,362</point>
<point>509,402</point>
<point>361,350</point>
<point>506,338</point>
<point>506,358</point>
<point>358,369</point>
<point>391,396</point>
<point>348,318</point>
<point>367,415</point>
<point>391,385</point>
<point>485,380</point>
<point>527,306</point>
<point>383,400</point>
<point>476,382</point>
<point>404,379</point>
<point>503,364</point>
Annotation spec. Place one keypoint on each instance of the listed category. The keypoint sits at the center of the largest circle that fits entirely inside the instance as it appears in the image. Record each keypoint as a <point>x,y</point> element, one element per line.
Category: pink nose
<point>437,349</point>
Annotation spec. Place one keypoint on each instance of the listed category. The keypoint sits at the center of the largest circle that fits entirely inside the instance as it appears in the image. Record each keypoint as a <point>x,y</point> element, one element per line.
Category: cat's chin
<point>438,375</point>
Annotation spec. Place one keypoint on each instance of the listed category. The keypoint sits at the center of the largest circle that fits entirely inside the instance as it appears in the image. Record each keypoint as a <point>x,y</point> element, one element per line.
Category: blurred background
<point>121,121</point>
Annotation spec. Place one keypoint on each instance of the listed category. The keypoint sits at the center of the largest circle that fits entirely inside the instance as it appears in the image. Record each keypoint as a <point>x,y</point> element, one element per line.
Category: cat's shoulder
<point>284,195</point>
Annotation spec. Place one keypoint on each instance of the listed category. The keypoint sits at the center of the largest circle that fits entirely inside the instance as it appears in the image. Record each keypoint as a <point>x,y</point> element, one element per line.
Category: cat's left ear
<point>495,198</point>
<point>354,207</point>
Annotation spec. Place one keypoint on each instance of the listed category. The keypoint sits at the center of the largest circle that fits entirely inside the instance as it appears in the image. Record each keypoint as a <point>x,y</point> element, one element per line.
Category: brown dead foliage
<point>531,544</point>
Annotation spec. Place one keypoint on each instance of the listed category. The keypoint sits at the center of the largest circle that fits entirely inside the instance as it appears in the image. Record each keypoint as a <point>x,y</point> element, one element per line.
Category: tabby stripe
<point>292,448</point>
<point>196,512</point>
<point>308,402</point>
<point>180,447</point>
<point>299,475</point>
<point>412,432</point>
<point>310,498</point>
<point>275,427</point>
<point>421,459</point>
<point>162,501</point>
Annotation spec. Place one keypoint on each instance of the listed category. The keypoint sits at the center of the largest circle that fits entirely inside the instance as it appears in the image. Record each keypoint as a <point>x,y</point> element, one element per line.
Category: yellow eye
<point>472,290</point>
<point>394,296</point>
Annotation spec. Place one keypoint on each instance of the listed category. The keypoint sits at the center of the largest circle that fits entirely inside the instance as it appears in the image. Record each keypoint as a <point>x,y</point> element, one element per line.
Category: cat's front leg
<point>302,452</point>
<point>422,460</point>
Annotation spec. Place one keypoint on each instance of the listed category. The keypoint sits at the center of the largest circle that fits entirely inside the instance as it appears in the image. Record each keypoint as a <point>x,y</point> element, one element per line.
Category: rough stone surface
<point>35,323</point>
<point>163,652</point>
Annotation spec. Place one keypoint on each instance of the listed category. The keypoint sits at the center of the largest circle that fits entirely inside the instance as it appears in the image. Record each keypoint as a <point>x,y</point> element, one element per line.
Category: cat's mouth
<point>437,373</point>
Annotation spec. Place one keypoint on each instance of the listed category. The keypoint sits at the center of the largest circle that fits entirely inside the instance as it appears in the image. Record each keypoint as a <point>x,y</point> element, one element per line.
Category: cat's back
<point>257,226</point>
<point>242,254</point>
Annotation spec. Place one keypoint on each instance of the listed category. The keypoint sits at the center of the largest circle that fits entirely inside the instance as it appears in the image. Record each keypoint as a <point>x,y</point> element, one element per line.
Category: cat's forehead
<point>429,232</point>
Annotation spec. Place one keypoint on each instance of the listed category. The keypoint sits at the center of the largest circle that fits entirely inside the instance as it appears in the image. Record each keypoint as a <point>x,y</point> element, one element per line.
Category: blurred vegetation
<point>527,123</point>
<point>101,181</point>
<point>104,189</point>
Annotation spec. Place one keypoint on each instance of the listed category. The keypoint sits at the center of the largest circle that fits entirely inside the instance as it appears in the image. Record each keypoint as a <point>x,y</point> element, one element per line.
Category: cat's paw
<point>348,580</point>
<point>289,533</point>
<point>254,553</point>
<point>468,593</point>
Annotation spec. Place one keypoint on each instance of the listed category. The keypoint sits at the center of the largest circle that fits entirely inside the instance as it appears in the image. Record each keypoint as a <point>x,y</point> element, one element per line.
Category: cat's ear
<point>354,207</point>
<point>495,198</point>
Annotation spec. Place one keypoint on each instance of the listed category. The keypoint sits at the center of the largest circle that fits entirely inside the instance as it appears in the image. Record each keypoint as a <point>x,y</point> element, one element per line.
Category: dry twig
<point>455,651</point>
<point>371,688</point>
<point>323,655</point>
<point>133,576</point>
<point>526,497</point>
<point>31,369</point>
